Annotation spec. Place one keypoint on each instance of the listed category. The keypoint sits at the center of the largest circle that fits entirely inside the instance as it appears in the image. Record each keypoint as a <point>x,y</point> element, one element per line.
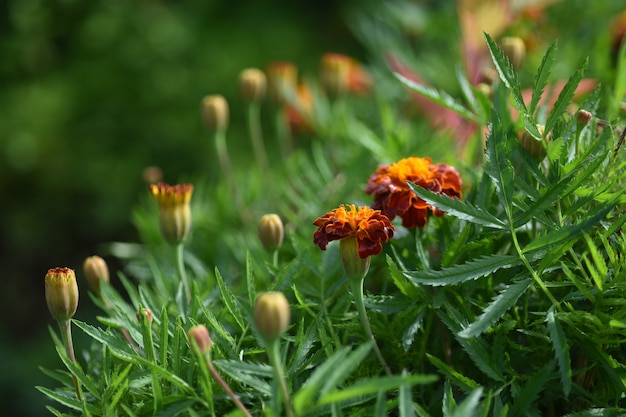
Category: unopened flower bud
<point>271,314</point>
<point>214,111</point>
<point>145,314</point>
<point>96,270</point>
<point>152,174</point>
<point>61,293</point>
<point>486,89</point>
<point>282,79</point>
<point>514,48</point>
<point>174,210</point>
<point>253,84</point>
<point>334,73</point>
<point>354,266</point>
<point>271,231</point>
<point>583,117</point>
<point>200,339</point>
<point>533,146</point>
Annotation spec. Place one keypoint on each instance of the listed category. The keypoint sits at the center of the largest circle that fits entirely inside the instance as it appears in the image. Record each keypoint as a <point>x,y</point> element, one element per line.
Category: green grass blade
<point>469,405</point>
<point>229,300</point>
<point>455,377</point>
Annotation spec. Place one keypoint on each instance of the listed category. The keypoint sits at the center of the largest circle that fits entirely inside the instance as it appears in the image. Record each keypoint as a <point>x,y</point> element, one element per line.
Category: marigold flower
<point>369,227</point>
<point>174,210</point>
<point>392,194</point>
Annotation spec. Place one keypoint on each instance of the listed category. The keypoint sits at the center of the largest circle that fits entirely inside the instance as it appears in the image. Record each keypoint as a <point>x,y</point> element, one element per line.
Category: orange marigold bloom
<point>393,196</point>
<point>300,112</point>
<point>370,228</point>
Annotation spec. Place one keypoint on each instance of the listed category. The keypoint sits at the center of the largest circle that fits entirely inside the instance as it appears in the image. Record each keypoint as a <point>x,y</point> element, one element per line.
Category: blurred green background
<point>91,93</point>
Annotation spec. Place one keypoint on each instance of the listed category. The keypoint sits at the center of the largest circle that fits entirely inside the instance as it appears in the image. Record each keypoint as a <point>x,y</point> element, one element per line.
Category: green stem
<point>256,135</point>
<point>273,352</point>
<point>357,291</point>
<point>222,154</point>
<point>284,134</point>
<point>65,327</point>
<point>181,270</point>
<point>275,258</point>
<point>226,387</point>
<point>148,347</point>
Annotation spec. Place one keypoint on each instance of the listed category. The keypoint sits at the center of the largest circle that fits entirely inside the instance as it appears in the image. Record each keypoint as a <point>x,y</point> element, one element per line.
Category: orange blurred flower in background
<point>369,227</point>
<point>392,194</point>
<point>341,73</point>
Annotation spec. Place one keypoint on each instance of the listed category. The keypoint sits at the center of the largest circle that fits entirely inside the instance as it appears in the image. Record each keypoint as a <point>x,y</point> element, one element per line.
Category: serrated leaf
<point>474,269</point>
<point>598,412</point>
<point>497,308</point>
<point>566,233</point>
<point>405,403</point>
<point>565,97</point>
<point>561,350</point>
<point>440,97</point>
<point>468,406</point>
<point>541,77</point>
<point>507,74</point>
<point>498,163</point>
<point>529,392</point>
<point>247,373</point>
<point>458,208</point>
<point>455,377</point>
<point>229,300</point>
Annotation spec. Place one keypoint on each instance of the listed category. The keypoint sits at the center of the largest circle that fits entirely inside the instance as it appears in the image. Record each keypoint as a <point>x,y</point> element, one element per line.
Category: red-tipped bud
<point>174,210</point>
<point>200,339</point>
<point>61,293</point>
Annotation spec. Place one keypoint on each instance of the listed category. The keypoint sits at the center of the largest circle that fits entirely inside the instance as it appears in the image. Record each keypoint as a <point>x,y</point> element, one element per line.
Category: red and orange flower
<point>393,196</point>
<point>369,227</point>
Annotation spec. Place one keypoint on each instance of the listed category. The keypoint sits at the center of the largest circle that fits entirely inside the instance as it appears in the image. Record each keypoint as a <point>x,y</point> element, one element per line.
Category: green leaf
<point>374,385</point>
<point>455,377</point>
<point>529,392</point>
<point>561,350</point>
<point>541,77</point>
<point>458,208</point>
<point>498,163</point>
<point>405,403</point>
<point>507,74</point>
<point>566,233</point>
<point>229,300</point>
<point>440,97</point>
<point>470,270</point>
<point>497,308</point>
<point>469,405</point>
<point>598,412</point>
<point>565,97</point>
<point>247,373</point>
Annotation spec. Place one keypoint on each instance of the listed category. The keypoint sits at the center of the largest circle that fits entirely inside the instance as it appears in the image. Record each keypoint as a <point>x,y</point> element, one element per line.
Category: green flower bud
<point>253,84</point>
<point>271,314</point>
<point>271,231</point>
<point>96,270</point>
<point>61,293</point>
<point>214,111</point>
<point>355,266</point>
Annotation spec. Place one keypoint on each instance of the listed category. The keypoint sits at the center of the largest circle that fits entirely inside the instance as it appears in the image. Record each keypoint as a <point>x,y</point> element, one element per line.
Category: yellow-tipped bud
<point>535,147</point>
<point>271,231</point>
<point>174,210</point>
<point>515,49</point>
<point>355,266</point>
<point>253,84</point>
<point>214,111</point>
<point>271,314</point>
<point>61,293</point>
<point>96,270</point>
<point>200,339</point>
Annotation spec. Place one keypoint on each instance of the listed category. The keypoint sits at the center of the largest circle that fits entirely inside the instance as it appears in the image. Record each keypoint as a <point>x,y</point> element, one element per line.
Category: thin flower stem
<point>222,154</point>
<point>357,291</point>
<point>256,135</point>
<point>273,352</point>
<point>226,387</point>
<point>181,270</point>
<point>65,327</point>
<point>275,258</point>
<point>284,133</point>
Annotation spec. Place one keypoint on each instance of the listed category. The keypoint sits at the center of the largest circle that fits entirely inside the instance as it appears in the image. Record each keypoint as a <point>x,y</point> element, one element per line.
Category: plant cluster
<point>475,270</point>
